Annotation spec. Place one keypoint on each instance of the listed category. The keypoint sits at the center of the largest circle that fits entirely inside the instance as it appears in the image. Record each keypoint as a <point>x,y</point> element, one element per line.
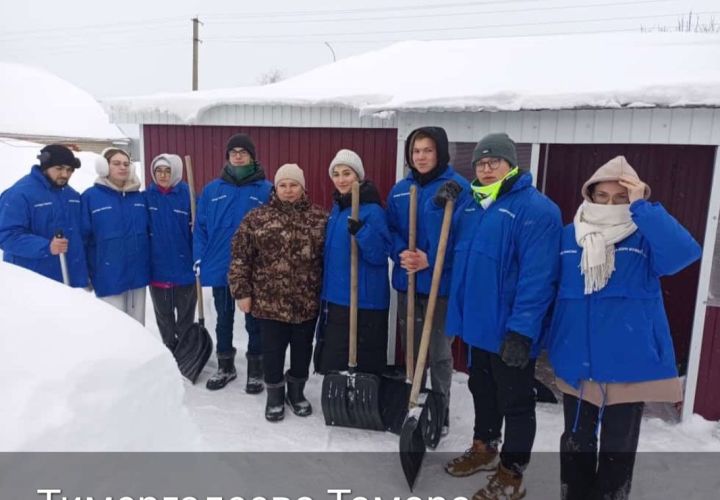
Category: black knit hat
<point>57,154</point>
<point>495,146</point>
<point>240,141</point>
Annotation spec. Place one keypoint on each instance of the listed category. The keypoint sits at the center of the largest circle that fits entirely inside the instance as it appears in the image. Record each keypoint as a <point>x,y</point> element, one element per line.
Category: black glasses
<point>491,163</point>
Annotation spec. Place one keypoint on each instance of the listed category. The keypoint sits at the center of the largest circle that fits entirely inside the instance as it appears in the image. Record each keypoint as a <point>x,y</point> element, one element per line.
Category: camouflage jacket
<point>277,259</point>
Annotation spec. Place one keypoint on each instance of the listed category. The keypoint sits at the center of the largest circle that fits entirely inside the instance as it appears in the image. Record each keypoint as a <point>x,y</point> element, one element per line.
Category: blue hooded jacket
<point>117,241</point>
<point>373,241</point>
<point>505,266</point>
<point>31,211</point>
<point>221,207</point>
<point>398,213</point>
<point>620,333</point>
<point>170,235</point>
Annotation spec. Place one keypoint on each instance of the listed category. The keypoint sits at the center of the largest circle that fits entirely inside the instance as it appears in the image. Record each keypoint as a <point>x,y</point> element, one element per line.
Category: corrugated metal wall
<point>311,148</point>
<point>680,178</point>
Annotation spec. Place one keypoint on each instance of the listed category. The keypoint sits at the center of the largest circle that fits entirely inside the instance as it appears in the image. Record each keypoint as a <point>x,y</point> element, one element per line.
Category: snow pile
<point>78,375</point>
<point>35,102</point>
<point>501,74</point>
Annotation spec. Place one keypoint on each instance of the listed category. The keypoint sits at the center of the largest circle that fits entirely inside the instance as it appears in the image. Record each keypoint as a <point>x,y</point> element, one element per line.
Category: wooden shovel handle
<point>191,188</point>
<point>410,318</point>
<point>355,214</point>
<point>432,300</point>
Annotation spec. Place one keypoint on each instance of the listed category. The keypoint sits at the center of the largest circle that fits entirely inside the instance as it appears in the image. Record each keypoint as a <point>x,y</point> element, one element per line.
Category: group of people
<point>514,282</point>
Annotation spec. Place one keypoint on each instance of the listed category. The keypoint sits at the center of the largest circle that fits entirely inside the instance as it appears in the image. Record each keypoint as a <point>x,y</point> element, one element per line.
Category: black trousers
<point>333,340</point>
<point>584,473</point>
<point>276,336</point>
<point>174,311</point>
<point>502,393</point>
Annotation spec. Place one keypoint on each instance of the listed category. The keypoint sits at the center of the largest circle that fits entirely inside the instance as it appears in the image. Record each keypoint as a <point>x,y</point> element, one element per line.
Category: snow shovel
<point>63,260</point>
<point>352,398</point>
<point>195,345</point>
<point>412,435</point>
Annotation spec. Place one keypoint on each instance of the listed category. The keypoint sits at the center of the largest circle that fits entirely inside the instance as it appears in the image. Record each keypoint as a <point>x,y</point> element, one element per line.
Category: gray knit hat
<point>348,158</point>
<point>495,146</point>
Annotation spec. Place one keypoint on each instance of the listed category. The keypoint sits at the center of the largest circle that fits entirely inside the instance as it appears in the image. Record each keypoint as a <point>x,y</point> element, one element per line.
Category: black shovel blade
<point>193,351</point>
<point>412,446</point>
<point>352,400</point>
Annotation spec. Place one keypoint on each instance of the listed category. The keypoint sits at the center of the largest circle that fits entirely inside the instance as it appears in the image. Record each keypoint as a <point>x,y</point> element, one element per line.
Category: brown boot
<point>478,457</point>
<point>503,485</point>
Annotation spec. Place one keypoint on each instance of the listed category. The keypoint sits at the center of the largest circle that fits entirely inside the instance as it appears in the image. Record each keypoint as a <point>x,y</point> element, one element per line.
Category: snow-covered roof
<point>497,74</point>
<point>35,102</point>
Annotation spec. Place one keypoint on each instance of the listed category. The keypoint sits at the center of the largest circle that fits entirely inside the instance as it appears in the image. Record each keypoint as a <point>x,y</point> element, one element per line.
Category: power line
<point>452,14</point>
<point>457,28</point>
<point>68,31</point>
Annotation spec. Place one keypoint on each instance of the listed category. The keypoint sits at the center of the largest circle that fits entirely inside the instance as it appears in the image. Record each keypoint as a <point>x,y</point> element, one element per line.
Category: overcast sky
<point>138,47</point>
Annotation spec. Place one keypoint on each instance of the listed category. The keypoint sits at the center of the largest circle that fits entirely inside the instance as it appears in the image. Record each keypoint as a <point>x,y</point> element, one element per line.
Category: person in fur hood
<point>609,339</point>
<point>116,234</point>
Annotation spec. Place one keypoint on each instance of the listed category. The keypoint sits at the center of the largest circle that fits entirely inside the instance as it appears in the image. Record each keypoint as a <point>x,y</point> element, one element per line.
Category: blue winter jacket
<point>170,235</point>
<point>620,333</point>
<point>427,237</point>
<point>31,211</point>
<point>505,266</point>
<point>373,241</point>
<point>117,240</point>
<point>220,210</point>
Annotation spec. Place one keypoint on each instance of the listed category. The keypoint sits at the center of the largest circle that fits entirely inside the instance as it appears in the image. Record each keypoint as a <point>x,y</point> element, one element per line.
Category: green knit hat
<point>495,146</point>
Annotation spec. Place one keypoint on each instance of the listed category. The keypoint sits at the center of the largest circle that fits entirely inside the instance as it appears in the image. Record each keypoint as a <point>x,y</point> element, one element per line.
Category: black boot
<point>255,383</point>
<point>445,429</point>
<point>225,372</point>
<point>275,406</point>
<point>295,398</point>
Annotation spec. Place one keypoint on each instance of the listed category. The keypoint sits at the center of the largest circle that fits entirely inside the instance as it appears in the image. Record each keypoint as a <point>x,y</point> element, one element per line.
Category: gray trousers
<point>440,359</point>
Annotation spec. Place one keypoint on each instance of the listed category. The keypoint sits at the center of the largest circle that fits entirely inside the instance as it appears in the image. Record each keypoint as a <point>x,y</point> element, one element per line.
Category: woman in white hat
<point>373,239</point>
<point>610,342</point>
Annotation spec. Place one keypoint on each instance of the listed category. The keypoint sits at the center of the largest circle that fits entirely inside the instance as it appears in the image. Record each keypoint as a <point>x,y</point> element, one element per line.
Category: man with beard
<point>40,218</point>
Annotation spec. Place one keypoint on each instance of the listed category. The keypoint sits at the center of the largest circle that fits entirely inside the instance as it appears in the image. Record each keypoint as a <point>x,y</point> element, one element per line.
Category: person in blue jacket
<point>609,342</point>
<point>505,239</point>
<point>172,281</point>
<point>35,208</point>
<point>428,158</point>
<point>115,233</point>
<point>373,240</point>
<point>222,205</point>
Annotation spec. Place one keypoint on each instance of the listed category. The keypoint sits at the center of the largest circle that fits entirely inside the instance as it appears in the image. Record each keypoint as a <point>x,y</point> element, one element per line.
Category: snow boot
<point>225,372</point>
<point>479,456</point>
<point>504,484</point>
<point>445,429</point>
<point>275,405</point>
<point>255,384</point>
<point>295,397</point>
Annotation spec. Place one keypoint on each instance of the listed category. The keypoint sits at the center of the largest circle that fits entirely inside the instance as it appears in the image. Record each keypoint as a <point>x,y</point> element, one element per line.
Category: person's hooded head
<point>166,170</point>
<point>427,153</point>
<point>603,187</point>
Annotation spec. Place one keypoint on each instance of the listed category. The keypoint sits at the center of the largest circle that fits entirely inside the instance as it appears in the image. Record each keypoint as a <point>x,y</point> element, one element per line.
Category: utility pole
<point>196,42</point>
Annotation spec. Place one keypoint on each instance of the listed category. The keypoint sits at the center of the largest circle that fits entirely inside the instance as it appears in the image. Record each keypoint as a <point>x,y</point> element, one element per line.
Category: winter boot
<point>225,372</point>
<point>275,405</point>
<point>445,429</point>
<point>504,484</point>
<point>295,398</point>
<point>255,383</point>
<point>479,456</point>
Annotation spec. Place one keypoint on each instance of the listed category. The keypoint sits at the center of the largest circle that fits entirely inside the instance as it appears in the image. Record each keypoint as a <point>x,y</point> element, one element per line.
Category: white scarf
<point>597,229</point>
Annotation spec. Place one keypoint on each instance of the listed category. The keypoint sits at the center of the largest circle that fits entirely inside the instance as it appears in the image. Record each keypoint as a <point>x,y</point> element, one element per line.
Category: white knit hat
<point>290,171</point>
<point>350,159</point>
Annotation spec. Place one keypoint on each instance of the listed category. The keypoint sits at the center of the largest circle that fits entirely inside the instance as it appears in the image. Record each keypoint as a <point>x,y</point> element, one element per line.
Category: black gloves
<point>515,350</point>
<point>354,225</point>
<point>448,191</point>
